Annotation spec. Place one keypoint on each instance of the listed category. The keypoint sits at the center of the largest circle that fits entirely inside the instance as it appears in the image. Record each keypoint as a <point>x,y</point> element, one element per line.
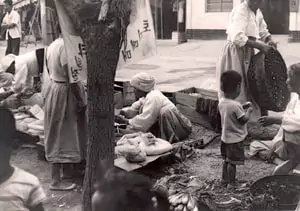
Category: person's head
<point>7,136</point>
<point>231,84</point>
<point>8,5</point>
<point>294,78</point>
<point>123,191</point>
<point>254,4</point>
<point>143,83</point>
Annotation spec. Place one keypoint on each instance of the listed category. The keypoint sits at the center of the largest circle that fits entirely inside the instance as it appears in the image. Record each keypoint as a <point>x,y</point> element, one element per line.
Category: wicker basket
<point>267,76</point>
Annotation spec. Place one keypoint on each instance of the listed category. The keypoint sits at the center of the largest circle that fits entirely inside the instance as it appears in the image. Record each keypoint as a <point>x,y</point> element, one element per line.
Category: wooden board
<point>118,100</point>
<point>128,92</point>
<point>190,97</point>
<point>195,117</point>
<point>170,91</point>
<point>123,164</point>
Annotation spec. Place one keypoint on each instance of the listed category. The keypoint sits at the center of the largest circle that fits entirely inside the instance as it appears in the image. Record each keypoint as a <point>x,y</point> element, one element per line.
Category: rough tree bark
<point>102,40</point>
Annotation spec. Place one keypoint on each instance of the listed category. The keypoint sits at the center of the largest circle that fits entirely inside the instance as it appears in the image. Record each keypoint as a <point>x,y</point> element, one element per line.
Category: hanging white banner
<point>75,49</point>
<point>139,41</point>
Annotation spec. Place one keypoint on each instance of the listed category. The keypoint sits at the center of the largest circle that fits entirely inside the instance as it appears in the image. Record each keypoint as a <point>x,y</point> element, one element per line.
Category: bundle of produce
<point>135,155</point>
<point>183,202</point>
<point>267,76</point>
<point>146,142</point>
<point>22,124</point>
<point>131,152</point>
<point>154,146</point>
<point>36,128</point>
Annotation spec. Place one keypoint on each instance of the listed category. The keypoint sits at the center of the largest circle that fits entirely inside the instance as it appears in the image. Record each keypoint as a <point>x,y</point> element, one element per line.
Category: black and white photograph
<point>149,105</point>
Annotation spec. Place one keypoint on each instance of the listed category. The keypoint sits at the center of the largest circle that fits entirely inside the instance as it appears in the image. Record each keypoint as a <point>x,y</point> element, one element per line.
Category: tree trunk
<point>102,40</point>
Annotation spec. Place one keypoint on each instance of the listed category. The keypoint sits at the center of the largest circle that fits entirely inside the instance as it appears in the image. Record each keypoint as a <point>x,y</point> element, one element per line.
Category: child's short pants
<point>233,153</point>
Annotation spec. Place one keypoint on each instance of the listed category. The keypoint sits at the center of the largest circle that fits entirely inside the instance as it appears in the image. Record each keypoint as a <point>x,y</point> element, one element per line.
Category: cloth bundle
<point>267,77</point>
<point>137,146</point>
<point>30,125</point>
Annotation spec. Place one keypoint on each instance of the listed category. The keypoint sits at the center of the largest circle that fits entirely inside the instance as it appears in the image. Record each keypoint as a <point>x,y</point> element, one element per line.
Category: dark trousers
<point>13,46</point>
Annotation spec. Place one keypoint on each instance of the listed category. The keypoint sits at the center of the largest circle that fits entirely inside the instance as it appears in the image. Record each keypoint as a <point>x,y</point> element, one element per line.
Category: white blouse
<point>10,18</point>
<point>26,66</point>
<point>149,110</point>
<point>243,22</point>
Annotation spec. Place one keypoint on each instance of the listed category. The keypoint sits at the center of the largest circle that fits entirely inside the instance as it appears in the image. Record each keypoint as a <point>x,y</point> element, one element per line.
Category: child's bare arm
<point>269,120</point>
<point>244,119</point>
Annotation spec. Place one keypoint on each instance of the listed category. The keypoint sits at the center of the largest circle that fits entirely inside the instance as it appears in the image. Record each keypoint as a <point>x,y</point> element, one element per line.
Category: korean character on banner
<point>134,44</point>
<point>146,26</point>
<point>140,33</point>
<point>75,73</point>
<point>78,62</point>
<point>126,55</point>
<point>82,49</point>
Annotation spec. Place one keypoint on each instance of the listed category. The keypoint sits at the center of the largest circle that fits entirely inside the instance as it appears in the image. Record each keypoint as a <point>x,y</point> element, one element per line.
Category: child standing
<point>19,190</point>
<point>234,117</point>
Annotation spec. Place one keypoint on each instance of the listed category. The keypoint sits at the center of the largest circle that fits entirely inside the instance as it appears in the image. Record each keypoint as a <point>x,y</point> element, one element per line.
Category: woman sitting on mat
<point>152,108</point>
<point>286,144</point>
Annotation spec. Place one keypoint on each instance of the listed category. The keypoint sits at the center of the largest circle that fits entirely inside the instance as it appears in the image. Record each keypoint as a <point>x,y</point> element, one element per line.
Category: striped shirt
<point>21,192</point>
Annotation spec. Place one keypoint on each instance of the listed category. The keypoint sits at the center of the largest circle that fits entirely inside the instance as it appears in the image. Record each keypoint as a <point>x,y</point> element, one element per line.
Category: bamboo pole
<point>44,22</point>
<point>156,19</point>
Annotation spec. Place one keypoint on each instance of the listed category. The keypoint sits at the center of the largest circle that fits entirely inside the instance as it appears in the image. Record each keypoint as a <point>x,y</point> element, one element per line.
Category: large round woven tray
<point>284,190</point>
<point>267,77</point>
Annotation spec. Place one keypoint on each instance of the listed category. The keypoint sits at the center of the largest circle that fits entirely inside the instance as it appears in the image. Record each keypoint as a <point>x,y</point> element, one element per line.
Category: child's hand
<point>247,105</point>
<point>266,121</point>
<point>122,112</point>
<point>250,110</point>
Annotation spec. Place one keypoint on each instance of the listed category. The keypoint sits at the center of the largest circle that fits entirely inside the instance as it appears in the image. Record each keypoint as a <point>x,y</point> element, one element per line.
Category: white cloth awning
<point>23,3</point>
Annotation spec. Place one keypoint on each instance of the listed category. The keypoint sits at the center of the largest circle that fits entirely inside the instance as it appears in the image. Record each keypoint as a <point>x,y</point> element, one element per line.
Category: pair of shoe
<point>62,186</point>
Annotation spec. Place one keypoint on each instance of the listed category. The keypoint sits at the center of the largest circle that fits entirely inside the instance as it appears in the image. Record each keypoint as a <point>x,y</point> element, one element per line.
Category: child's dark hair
<point>230,80</point>
<point>123,191</point>
<point>7,126</point>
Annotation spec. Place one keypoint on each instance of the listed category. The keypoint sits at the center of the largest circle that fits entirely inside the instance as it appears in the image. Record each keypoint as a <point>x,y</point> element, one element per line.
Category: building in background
<point>49,21</point>
<point>207,19</point>
<point>30,21</point>
<point>169,18</point>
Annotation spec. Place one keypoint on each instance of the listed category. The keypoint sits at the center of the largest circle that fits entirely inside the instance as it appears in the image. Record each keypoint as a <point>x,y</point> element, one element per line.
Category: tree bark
<point>102,40</point>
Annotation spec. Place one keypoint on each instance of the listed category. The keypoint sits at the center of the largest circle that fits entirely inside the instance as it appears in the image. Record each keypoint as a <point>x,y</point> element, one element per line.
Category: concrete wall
<point>295,26</point>
<point>198,18</point>
<point>295,20</point>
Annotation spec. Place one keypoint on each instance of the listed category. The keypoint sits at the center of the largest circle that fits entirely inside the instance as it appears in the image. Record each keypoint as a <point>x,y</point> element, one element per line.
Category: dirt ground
<point>205,165</point>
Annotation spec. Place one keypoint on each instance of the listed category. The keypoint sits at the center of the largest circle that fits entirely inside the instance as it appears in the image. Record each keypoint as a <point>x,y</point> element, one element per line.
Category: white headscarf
<point>143,81</point>
<point>7,61</point>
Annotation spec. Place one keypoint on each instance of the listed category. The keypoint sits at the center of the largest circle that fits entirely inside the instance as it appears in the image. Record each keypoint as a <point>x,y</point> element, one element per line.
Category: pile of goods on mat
<point>137,146</point>
<point>30,120</point>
